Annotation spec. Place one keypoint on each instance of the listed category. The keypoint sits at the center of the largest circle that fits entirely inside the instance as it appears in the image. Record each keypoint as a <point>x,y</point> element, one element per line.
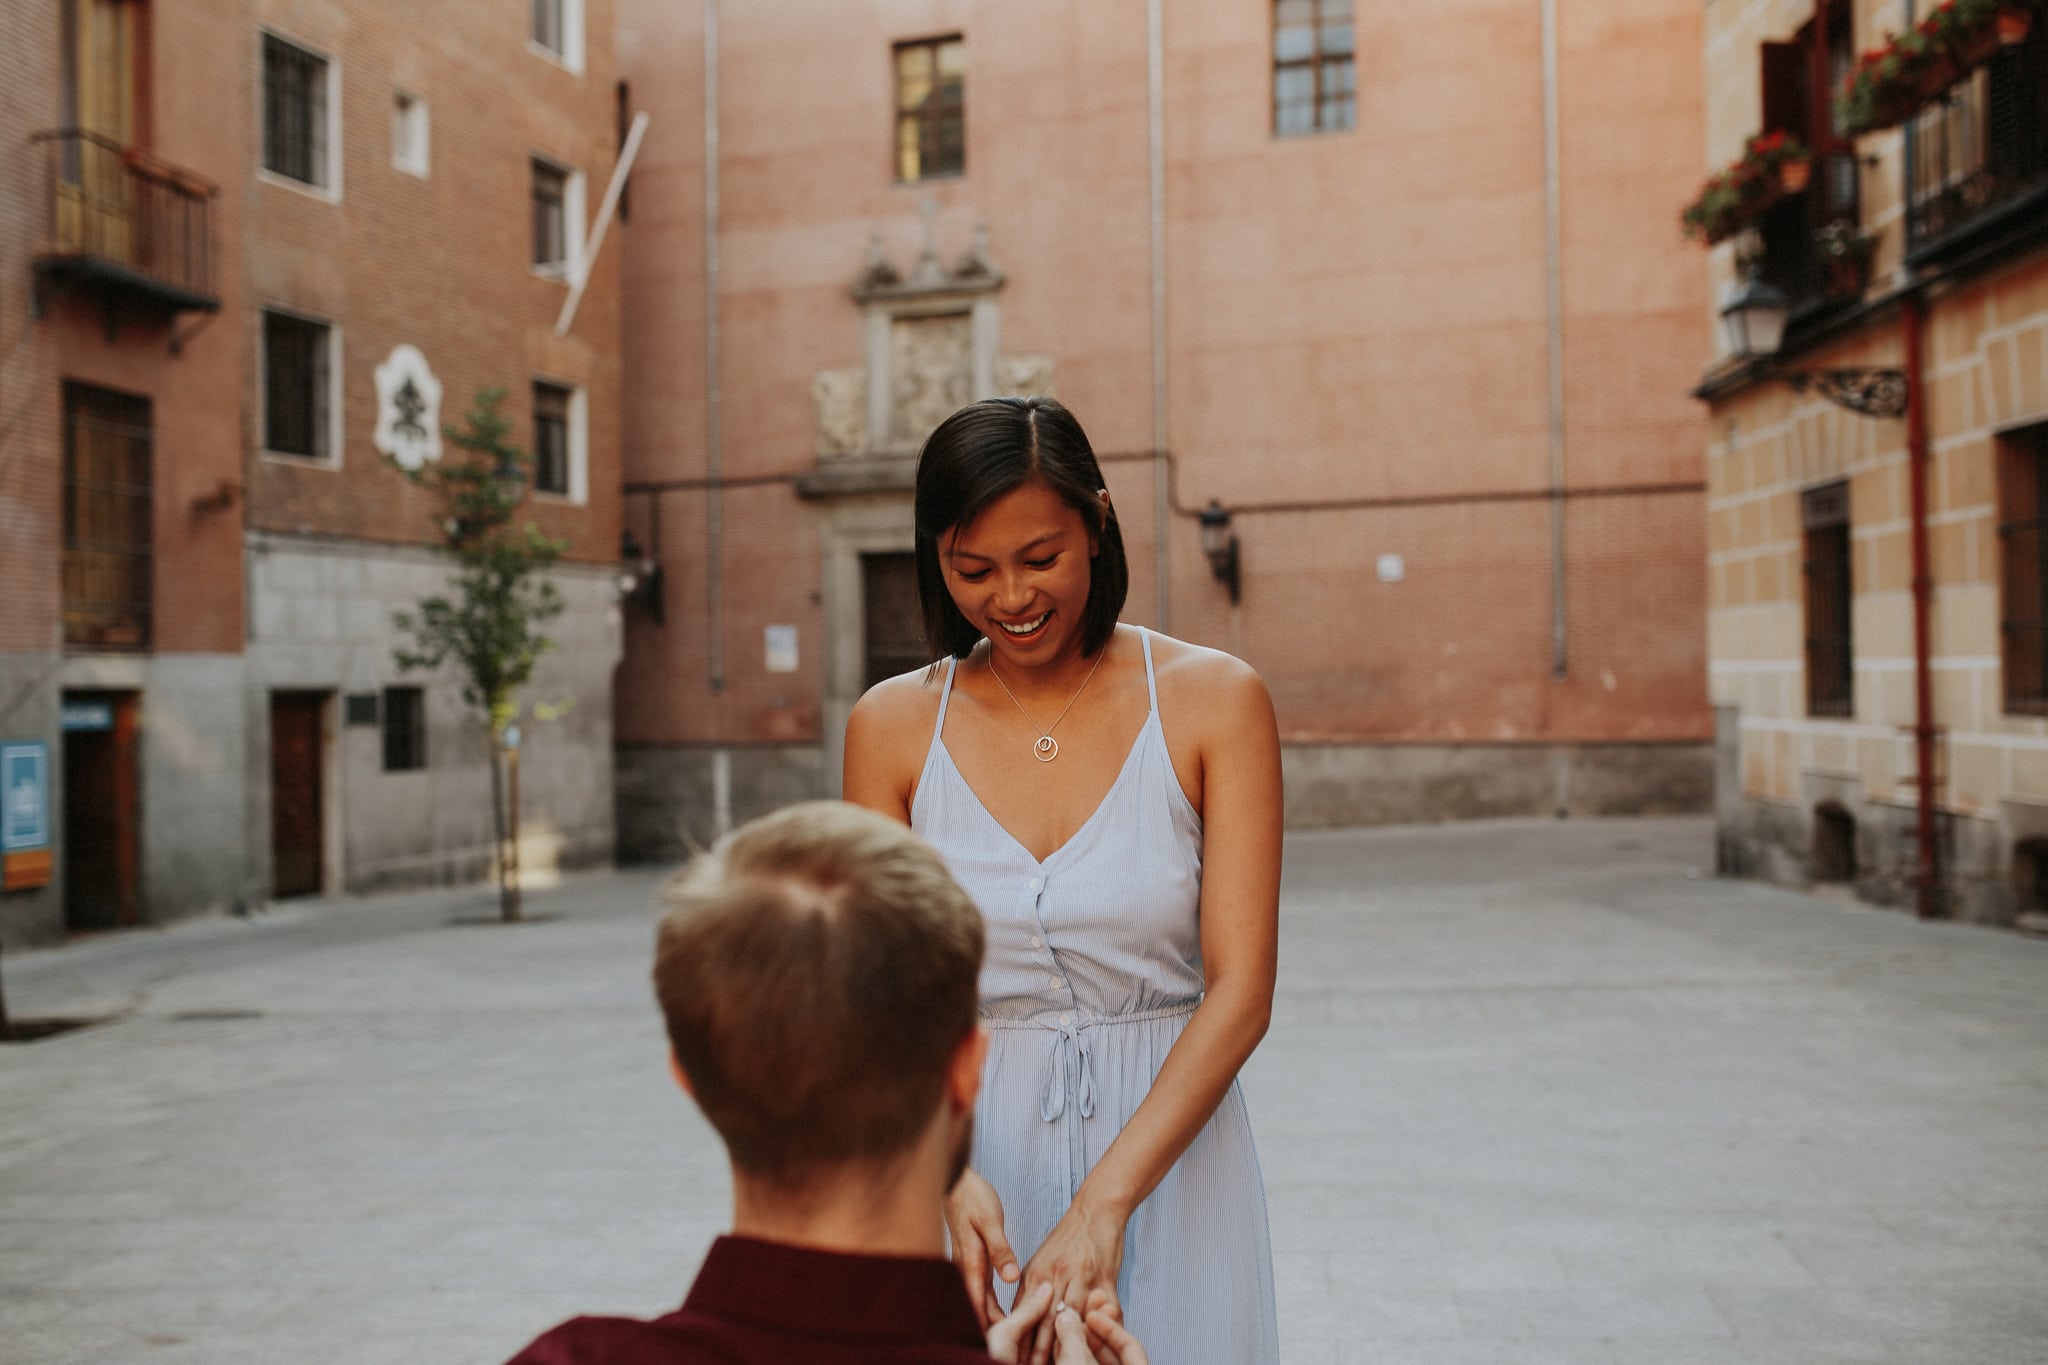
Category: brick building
<point>1876,619</point>
<point>1394,289</point>
<point>219,222</point>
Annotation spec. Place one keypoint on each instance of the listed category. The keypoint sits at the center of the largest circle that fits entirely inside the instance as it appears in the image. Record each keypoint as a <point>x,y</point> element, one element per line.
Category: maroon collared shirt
<point>787,1305</point>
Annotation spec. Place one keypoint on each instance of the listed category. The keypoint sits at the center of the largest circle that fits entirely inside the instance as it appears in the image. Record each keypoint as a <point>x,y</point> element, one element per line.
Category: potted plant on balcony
<point>1773,164</point>
<point>1847,250</point>
<point>1891,83</point>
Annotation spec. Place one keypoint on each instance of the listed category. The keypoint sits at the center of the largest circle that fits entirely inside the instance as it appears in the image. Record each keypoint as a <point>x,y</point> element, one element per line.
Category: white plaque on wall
<point>408,408</point>
<point>781,648</point>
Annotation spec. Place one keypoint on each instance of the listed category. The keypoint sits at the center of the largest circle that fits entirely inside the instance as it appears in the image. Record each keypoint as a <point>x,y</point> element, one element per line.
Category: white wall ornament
<point>408,408</point>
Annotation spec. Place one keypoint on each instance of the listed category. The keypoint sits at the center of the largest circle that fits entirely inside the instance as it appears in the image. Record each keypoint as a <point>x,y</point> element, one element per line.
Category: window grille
<point>550,215</point>
<point>931,108</point>
<point>550,438</point>
<point>296,379</point>
<point>1830,681</point>
<point>405,729</point>
<point>108,545</point>
<point>2023,577</point>
<point>294,112</point>
<point>1315,73</point>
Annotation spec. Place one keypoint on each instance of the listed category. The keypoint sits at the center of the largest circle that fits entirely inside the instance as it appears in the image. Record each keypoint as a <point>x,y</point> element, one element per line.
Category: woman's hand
<point>1098,1340</point>
<point>1079,1259</point>
<point>974,1219</point>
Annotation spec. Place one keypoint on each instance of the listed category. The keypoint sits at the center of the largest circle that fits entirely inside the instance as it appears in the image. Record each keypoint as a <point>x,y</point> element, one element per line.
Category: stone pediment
<point>930,341</point>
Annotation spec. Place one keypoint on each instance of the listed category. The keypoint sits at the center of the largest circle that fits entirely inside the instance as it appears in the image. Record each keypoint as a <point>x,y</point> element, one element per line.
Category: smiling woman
<point>1128,873</point>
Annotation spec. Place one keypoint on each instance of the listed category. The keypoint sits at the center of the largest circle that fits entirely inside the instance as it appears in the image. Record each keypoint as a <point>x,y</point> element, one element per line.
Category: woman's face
<point>1020,573</point>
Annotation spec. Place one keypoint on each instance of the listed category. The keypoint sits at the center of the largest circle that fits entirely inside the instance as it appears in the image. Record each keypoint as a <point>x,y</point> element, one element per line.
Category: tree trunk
<point>506,910</point>
<point>510,899</point>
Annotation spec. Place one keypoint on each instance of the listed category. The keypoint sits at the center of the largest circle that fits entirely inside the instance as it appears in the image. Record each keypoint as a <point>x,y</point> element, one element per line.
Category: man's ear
<point>963,1072</point>
<point>675,1069</point>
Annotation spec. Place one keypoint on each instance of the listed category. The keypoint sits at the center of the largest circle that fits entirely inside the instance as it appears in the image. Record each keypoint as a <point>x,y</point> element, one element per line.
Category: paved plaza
<point>1536,1093</point>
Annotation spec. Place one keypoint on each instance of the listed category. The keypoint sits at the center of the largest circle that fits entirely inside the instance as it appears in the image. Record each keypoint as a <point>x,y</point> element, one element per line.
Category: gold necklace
<point>1046,749</point>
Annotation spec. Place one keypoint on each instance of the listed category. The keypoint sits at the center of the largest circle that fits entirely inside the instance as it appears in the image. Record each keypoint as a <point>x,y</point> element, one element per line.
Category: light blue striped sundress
<point>1094,965</point>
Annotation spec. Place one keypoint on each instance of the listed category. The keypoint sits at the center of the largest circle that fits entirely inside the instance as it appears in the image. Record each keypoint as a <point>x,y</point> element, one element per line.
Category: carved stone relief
<point>842,399</point>
<point>931,364</point>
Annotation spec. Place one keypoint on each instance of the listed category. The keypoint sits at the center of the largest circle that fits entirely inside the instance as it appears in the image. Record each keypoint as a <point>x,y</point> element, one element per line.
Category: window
<point>1979,155</point>
<point>1797,83</point>
<point>107,513</point>
<point>405,729</point>
<point>557,217</point>
<point>409,133</point>
<point>1315,76</point>
<point>560,441</point>
<point>298,379</point>
<point>931,108</point>
<point>1824,513</point>
<point>296,141</point>
<point>551,403</point>
<point>2023,576</point>
<point>557,30</point>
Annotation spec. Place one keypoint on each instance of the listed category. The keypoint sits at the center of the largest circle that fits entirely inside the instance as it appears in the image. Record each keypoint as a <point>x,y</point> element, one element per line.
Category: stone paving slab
<point>1535,1093</point>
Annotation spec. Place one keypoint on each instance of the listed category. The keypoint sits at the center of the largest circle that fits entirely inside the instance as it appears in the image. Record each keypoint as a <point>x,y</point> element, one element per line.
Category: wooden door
<point>298,823</point>
<point>95,194</point>
<point>893,634</point>
<point>102,815</point>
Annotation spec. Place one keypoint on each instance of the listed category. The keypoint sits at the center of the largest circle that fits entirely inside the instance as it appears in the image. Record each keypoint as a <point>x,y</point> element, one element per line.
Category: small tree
<point>490,627</point>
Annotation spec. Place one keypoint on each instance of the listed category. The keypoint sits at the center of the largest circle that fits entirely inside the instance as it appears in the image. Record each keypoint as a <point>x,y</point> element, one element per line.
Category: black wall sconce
<point>1219,543</point>
<point>640,577</point>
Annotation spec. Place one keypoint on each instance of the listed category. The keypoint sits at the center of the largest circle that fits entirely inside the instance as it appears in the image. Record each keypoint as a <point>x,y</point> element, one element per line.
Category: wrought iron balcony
<point>124,226</point>
<point>1977,159</point>
<point>1790,237</point>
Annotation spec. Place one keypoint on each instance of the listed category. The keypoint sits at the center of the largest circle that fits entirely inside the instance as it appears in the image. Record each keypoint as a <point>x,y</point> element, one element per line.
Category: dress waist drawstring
<point>1070,1061</point>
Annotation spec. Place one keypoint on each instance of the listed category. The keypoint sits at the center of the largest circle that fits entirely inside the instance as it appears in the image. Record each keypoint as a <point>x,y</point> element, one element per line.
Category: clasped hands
<point>1066,1310</point>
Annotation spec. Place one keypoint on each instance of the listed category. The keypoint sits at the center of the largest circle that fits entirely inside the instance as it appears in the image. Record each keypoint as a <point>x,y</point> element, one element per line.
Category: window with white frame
<point>557,217</point>
<point>556,28</point>
<point>409,132</point>
<point>299,112</point>
<point>560,440</point>
<point>298,386</point>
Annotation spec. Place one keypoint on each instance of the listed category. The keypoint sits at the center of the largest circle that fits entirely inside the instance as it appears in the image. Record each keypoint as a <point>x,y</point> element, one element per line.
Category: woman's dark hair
<point>977,455</point>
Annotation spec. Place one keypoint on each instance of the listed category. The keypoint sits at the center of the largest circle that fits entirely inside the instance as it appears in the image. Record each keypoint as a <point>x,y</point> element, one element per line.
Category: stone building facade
<point>1875,632</point>
<point>1399,294</point>
<point>218,223</point>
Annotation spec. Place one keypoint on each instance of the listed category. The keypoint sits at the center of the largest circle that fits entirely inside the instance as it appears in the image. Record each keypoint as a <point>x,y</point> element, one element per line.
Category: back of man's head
<point>817,970</point>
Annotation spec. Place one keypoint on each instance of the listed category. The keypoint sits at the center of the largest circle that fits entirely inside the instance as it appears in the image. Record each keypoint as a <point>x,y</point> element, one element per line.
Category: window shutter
<point>1786,105</point>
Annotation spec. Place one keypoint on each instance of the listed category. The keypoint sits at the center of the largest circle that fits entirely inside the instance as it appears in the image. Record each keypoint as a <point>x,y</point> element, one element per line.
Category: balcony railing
<point>123,223</point>
<point>1979,156</point>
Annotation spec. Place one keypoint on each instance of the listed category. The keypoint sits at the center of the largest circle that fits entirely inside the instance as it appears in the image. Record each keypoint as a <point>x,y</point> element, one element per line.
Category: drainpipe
<point>1553,253</point>
<point>1162,492</point>
<point>714,527</point>
<point>1929,900</point>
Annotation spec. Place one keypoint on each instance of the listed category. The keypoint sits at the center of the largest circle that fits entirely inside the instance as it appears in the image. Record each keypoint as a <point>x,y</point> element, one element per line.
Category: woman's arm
<point>1241,816</point>
<point>874,774</point>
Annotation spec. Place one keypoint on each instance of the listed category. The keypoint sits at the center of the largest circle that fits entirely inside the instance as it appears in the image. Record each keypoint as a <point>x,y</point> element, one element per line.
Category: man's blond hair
<point>817,970</point>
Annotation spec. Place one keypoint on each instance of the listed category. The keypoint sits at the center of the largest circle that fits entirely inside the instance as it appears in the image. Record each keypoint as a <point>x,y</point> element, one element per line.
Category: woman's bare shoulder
<point>899,708</point>
<point>1192,672</point>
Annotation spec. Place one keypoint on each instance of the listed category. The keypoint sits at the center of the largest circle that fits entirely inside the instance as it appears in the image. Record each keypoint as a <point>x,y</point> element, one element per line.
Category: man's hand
<point>974,1219</point>
<point>1102,1340</point>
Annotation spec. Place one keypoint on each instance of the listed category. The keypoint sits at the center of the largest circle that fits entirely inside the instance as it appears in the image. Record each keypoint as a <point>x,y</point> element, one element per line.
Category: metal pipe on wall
<point>1553,261</point>
<point>1162,471</point>
<point>1917,454</point>
<point>714,528</point>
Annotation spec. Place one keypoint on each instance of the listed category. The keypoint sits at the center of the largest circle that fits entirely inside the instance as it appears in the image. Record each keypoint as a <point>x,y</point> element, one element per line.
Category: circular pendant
<point>1047,748</point>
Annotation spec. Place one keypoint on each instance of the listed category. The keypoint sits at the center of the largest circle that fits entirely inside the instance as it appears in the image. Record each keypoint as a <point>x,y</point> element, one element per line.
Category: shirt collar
<point>842,1295</point>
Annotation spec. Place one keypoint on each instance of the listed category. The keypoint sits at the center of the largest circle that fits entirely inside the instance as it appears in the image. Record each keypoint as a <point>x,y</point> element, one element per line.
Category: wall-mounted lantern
<point>1219,543</point>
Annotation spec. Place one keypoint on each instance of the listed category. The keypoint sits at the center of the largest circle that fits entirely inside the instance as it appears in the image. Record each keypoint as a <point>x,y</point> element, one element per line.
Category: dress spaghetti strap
<point>1151,682</point>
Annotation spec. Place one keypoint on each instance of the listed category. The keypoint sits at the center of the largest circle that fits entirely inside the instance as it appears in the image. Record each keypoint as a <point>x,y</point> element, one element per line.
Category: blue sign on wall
<point>24,797</point>
<point>87,716</point>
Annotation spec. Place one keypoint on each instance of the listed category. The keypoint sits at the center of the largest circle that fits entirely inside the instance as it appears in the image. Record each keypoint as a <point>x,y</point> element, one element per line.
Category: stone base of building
<point>1994,863</point>
<point>673,799</point>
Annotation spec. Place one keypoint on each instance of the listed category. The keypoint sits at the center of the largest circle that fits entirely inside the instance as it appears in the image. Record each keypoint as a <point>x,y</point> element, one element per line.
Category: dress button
<point>1037,883</point>
<point>1066,1018</point>
<point>1037,942</point>
<point>1055,982</point>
